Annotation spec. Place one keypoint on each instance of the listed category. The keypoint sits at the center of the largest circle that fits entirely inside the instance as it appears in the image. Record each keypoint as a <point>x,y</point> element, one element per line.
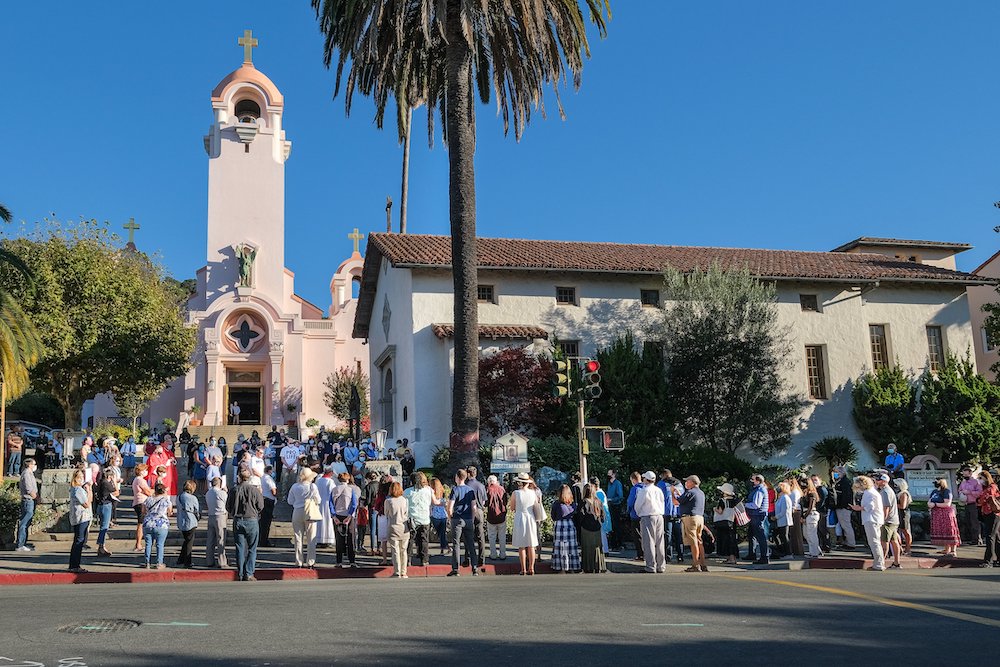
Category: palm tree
<point>5,214</point>
<point>20,343</point>
<point>444,50</point>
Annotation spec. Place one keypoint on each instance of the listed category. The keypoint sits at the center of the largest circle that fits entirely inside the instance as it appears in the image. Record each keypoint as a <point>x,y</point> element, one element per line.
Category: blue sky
<point>781,125</point>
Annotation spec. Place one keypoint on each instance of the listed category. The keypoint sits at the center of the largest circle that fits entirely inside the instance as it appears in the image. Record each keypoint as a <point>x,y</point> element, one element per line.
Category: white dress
<point>324,527</point>
<point>525,533</point>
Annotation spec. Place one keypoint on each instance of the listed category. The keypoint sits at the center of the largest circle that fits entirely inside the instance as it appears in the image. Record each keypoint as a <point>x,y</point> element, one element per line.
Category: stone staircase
<point>230,432</point>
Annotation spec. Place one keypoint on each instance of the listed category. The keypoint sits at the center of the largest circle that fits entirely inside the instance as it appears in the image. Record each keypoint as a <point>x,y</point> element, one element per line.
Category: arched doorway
<point>388,408</point>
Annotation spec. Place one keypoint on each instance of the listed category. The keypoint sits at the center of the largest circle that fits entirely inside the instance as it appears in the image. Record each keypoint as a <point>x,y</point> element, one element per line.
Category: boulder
<point>549,480</point>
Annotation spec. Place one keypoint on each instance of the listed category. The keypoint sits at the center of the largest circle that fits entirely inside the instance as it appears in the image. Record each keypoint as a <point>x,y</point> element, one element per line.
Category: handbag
<point>539,512</point>
<point>740,515</point>
<point>311,509</point>
<point>994,502</point>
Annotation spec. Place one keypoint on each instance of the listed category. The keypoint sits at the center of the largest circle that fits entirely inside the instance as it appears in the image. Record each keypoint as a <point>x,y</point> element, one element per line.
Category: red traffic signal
<point>591,366</point>
<point>591,379</point>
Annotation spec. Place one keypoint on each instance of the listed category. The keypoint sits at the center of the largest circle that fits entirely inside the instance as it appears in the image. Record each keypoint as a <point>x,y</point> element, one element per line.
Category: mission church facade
<point>861,306</point>
<point>259,344</point>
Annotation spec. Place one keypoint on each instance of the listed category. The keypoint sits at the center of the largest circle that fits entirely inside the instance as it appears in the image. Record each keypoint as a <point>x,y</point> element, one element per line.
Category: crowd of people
<point>336,502</point>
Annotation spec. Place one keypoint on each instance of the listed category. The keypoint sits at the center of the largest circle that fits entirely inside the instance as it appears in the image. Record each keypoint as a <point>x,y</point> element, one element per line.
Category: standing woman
<point>188,515</point>
<point>156,523</point>
<point>524,535</point>
<point>602,498</point>
<point>795,528</point>
<point>80,516</point>
<point>944,526</point>
<point>107,487</point>
<point>783,519</point>
<point>140,491</point>
<point>565,548</point>
<point>380,526</point>
<point>724,518</point>
<point>128,458</point>
<point>903,501</point>
<point>989,501</point>
<point>439,514</point>
<point>872,518</point>
<point>593,516</point>
<point>397,513</point>
<point>809,510</point>
<point>304,528</point>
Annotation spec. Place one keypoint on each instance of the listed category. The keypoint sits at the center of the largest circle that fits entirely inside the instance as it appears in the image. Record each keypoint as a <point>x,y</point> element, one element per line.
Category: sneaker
<point>354,564</point>
<point>876,569</point>
<point>251,578</point>
<point>475,573</point>
<point>24,548</point>
<point>454,573</point>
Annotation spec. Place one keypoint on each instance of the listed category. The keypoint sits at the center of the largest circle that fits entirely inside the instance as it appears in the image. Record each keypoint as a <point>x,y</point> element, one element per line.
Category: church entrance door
<point>249,400</point>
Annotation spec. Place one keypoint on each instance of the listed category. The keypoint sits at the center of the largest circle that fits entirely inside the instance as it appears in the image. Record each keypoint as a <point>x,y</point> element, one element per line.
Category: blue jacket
<point>188,512</point>
<point>631,501</point>
<point>756,503</point>
<point>669,509</point>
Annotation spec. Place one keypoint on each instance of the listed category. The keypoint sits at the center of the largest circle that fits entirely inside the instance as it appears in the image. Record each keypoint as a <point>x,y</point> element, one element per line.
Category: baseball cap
<point>649,475</point>
<point>884,477</point>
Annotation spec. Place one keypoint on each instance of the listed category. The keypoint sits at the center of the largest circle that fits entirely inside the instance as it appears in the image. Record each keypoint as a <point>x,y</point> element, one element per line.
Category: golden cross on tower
<point>131,227</point>
<point>248,43</point>
<point>356,237</point>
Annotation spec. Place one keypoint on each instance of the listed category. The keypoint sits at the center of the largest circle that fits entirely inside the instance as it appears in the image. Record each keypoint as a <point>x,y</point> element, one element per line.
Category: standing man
<point>290,463</point>
<point>691,505</point>
<point>889,532</point>
<point>893,461</point>
<point>28,487</point>
<point>461,510</point>
<point>418,501</point>
<point>757,506</point>
<point>824,509</point>
<point>616,503</point>
<point>648,507</point>
<point>968,493</point>
<point>635,531</point>
<point>844,497</point>
<point>14,444</point>
<point>672,530</point>
<point>257,465</point>
<point>234,413</point>
<point>268,488</point>
<point>344,503</point>
<point>496,518</point>
<point>473,483</point>
<point>215,540</point>
<point>245,504</point>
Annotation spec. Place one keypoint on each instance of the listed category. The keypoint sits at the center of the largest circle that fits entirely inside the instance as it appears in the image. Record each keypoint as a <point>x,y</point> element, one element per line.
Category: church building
<point>859,307</point>
<point>259,346</point>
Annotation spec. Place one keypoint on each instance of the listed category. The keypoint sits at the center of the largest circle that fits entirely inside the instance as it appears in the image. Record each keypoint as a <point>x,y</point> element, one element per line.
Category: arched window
<point>355,287</point>
<point>388,409</point>
<point>247,111</point>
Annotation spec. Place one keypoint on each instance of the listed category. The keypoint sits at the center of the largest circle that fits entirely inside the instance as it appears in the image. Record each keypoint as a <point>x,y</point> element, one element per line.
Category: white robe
<point>324,527</point>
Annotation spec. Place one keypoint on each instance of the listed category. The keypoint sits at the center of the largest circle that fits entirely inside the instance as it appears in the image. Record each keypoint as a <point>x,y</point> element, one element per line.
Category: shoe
<point>405,577</point>
<point>161,566</point>
<point>522,573</point>
<point>78,570</point>
<point>454,573</point>
<point>340,565</point>
<point>894,565</point>
<point>475,573</point>
<point>693,568</point>
<point>680,559</point>
<point>661,571</point>
<point>138,550</point>
<point>354,564</point>
<point>876,569</point>
<point>24,548</point>
<point>987,564</point>
<point>251,578</point>
<point>465,563</point>
<point>147,566</point>
<point>761,562</point>
<point>704,568</point>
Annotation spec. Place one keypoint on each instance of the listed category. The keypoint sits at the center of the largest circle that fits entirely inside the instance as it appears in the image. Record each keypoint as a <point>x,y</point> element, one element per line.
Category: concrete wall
<point>985,356</point>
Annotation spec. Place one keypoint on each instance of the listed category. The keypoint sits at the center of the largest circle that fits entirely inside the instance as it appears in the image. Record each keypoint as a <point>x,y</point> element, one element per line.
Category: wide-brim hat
<point>523,478</point>
<point>727,489</point>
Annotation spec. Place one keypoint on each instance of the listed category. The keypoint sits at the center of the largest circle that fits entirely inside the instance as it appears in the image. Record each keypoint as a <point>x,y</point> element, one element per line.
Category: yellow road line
<point>915,606</point>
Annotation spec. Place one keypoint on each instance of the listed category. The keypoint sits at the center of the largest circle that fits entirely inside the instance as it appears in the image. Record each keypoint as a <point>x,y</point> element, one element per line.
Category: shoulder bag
<point>539,511</point>
<point>311,507</point>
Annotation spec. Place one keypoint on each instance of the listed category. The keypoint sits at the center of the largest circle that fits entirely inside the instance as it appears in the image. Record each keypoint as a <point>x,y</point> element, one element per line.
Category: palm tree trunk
<point>460,121</point>
<point>406,172</point>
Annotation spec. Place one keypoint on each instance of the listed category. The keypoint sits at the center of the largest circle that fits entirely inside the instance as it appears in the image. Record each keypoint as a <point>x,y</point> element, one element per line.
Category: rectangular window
<point>935,349</point>
<point>880,347</point>
<point>486,294</point>
<point>569,348</point>
<point>987,344</point>
<point>809,303</point>
<point>650,298</point>
<point>566,296</point>
<point>815,372</point>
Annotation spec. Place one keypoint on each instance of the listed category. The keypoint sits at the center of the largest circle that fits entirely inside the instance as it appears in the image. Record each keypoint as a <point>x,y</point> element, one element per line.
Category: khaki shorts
<point>692,527</point>
<point>888,533</point>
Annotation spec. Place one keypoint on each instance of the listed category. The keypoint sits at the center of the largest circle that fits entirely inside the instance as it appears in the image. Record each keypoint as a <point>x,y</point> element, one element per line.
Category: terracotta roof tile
<point>495,331</point>
<point>907,243</point>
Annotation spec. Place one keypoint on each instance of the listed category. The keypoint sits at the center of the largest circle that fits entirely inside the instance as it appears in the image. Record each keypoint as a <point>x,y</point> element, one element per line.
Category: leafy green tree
<point>634,398</point>
<point>514,392</point>
<point>132,401</point>
<point>885,409</point>
<point>337,396</point>
<point>960,412</point>
<point>38,407</point>
<point>453,48</point>
<point>106,318</point>
<point>724,355</point>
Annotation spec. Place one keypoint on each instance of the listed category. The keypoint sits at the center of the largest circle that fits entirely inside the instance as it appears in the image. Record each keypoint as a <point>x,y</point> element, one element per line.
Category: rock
<point>549,479</point>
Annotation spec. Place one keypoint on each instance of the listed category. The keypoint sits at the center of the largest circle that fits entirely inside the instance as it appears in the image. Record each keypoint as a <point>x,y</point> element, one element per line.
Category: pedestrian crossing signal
<point>613,440</point>
<point>560,379</point>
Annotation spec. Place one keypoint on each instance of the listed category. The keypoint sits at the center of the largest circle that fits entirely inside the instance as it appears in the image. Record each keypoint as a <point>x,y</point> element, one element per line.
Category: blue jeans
<point>759,533</point>
<point>160,535</point>
<point>14,464</point>
<point>104,512</point>
<point>27,513</point>
<point>246,532</point>
<point>672,535</point>
<point>79,539</point>
<point>441,528</point>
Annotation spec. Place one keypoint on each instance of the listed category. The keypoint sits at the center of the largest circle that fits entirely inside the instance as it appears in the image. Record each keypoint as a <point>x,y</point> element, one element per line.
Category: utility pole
<point>388,215</point>
<point>584,445</point>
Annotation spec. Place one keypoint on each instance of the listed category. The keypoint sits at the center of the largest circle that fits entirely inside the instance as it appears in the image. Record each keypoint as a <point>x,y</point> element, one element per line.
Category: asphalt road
<point>818,617</point>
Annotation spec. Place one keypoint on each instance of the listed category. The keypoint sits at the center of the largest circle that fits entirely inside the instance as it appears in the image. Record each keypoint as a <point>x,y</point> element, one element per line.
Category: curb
<point>905,563</point>
<point>170,576</point>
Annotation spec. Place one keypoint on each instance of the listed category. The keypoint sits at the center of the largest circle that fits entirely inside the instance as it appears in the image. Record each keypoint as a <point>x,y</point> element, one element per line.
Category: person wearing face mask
<point>969,491</point>
<point>944,527</point>
<point>161,457</point>
<point>616,502</point>
<point>989,506</point>
<point>893,461</point>
<point>843,494</point>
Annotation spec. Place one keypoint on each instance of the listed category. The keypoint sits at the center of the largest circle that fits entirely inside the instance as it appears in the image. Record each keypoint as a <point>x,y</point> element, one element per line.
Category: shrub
<point>169,424</point>
<point>10,512</point>
<point>835,451</point>
<point>564,454</point>
<point>706,463</point>
<point>312,423</point>
<point>104,428</point>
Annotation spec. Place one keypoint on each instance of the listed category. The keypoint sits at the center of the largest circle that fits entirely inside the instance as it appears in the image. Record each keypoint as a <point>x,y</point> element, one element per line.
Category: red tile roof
<point>495,331</point>
<point>426,251</point>
<point>903,243</point>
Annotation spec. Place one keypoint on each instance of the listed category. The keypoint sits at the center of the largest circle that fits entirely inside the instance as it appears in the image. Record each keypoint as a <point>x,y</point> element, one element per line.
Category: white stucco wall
<point>985,357</point>
<point>608,307</point>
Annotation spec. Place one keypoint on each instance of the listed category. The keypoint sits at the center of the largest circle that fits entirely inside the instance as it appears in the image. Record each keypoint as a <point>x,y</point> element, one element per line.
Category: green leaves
<point>885,404</point>
<point>338,391</point>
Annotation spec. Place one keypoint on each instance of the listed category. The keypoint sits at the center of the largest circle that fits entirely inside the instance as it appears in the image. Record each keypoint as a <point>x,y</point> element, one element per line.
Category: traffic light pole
<point>582,438</point>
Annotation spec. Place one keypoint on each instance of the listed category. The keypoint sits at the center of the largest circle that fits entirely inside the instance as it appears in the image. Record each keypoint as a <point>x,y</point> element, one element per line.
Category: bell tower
<point>247,150</point>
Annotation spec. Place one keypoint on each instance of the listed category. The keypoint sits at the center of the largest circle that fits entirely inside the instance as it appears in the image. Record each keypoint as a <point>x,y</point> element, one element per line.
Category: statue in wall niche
<point>246,254</point>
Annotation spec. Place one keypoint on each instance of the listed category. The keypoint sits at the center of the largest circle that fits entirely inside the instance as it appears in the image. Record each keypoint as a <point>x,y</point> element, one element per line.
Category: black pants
<point>615,536</point>
<point>420,543</point>
<point>186,547</point>
<point>479,526</point>
<point>726,542</point>
<point>266,516</point>
<point>992,538</point>
<point>781,545</point>
<point>636,532</point>
<point>344,541</point>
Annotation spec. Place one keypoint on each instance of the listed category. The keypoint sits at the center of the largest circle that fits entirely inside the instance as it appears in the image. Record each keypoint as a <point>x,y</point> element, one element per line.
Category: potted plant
<point>310,428</point>
<point>291,408</point>
<point>195,412</point>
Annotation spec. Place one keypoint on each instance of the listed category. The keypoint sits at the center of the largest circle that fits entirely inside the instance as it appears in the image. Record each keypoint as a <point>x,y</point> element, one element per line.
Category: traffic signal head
<point>560,378</point>
<point>591,379</point>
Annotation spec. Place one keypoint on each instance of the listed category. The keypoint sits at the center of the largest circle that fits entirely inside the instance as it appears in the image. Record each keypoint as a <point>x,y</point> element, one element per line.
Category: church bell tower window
<point>247,111</point>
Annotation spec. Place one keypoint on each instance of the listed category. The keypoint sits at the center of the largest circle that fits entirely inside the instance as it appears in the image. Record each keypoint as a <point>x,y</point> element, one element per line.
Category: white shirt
<point>649,501</point>
<point>299,492</point>
<point>290,456</point>
<point>257,468</point>
<point>268,487</point>
<point>871,508</point>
